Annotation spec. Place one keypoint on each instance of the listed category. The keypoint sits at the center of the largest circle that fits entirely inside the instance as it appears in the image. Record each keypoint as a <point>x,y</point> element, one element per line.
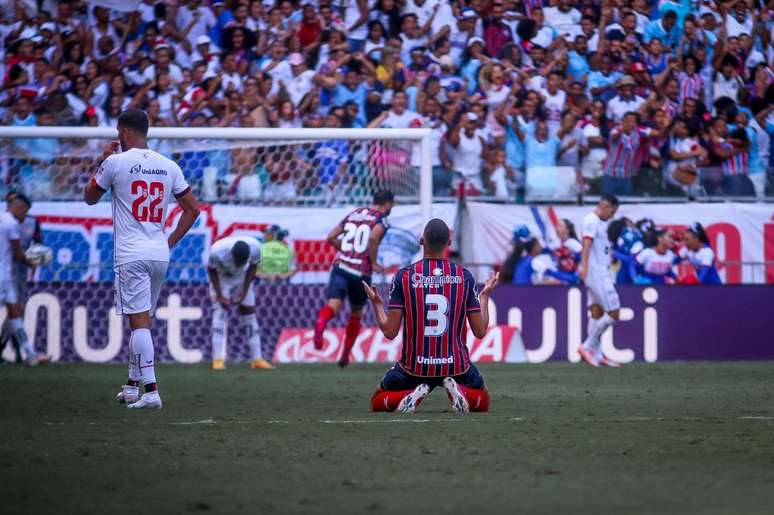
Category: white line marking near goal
<point>516,419</point>
<point>391,421</point>
<point>205,421</point>
<point>756,418</point>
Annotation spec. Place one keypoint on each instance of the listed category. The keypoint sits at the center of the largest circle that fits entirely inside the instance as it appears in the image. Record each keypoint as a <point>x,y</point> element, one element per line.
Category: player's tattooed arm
<point>389,323</point>
<point>190,208</point>
<point>373,246</point>
<point>333,237</point>
<point>93,191</point>
<point>479,320</point>
<point>215,282</point>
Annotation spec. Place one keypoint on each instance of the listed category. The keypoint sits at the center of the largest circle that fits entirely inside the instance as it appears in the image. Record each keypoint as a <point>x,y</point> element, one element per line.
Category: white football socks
<point>143,348</point>
<point>17,328</point>
<point>588,343</point>
<point>600,328</point>
<point>218,332</point>
<point>134,360</point>
<point>252,335</point>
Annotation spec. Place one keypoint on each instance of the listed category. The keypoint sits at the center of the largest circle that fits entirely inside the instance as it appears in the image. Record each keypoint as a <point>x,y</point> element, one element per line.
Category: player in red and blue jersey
<point>357,240</point>
<point>433,298</point>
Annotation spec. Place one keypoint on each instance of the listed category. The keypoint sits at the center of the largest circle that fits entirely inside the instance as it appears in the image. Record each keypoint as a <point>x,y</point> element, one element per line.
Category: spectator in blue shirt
<point>665,30</point>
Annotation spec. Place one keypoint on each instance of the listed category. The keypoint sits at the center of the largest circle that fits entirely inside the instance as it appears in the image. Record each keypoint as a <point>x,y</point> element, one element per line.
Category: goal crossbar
<point>421,136</point>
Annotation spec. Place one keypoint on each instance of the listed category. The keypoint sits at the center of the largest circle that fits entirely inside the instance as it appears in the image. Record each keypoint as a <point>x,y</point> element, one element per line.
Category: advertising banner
<point>83,243</point>
<point>74,322</point>
<point>737,231</point>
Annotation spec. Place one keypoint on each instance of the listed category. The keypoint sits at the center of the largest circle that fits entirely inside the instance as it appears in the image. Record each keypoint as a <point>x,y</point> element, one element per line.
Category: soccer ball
<point>39,255</point>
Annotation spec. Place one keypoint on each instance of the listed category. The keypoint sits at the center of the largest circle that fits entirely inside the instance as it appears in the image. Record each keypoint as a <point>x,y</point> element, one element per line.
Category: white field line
<point>409,420</point>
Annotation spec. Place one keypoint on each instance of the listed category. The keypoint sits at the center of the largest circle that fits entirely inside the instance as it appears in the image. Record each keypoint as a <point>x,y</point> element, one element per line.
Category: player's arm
<point>18,253</point>
<point>190,208</point>
<point>333,237</point>
<point>212,273</point>
<point>389,323</point>
<point>373,245</point>
<point>584,264</point>
<point>479,319</point>
<point>96,187</point>
<point>249,278</point>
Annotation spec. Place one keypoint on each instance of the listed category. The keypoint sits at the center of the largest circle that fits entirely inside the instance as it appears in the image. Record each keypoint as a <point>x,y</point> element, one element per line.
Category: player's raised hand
<point>490,284</point>
<point>111,148</point>
<point>373,295</point>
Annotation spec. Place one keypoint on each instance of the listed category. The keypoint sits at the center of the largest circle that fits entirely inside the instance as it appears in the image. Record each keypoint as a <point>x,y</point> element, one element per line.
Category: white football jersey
<point>654,263</point>
<point>599,254</point>
<point>222,260</point>
<point>143,183</point>
<point>9,231</point>
<point>702,257</point>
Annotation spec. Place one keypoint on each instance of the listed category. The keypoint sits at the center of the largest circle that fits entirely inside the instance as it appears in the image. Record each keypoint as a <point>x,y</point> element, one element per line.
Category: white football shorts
<point>8,292</point>
<point>230,286</point>
<point>137,286</point>
<point>601,290</point>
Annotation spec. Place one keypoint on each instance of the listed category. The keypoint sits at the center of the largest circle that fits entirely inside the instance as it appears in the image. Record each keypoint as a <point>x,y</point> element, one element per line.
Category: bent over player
<point>357,240</point>
<point>594,271</point>
<point>432,299</point>
<point>232,266</point>
<point>142,183</point>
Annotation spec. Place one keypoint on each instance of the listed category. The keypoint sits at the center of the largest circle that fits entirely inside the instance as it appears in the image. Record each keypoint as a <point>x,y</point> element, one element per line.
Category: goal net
<point>247,180</point>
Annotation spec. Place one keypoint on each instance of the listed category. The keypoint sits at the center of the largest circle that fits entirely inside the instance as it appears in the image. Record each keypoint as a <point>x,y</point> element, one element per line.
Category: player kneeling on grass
<point>431,299</point>
<point>232,266</point>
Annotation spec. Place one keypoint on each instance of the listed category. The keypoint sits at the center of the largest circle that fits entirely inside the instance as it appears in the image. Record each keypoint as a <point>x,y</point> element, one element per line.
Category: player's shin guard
<point>252,335</point>
<point>353,329</point>
<point>17,329</point>
<point>385,400</point>
<point>600,328</point>
<point>218,332</point>
<point>134,363</point>
<point>143,347</point>
<point>591,327</point>
<point>478,400</point>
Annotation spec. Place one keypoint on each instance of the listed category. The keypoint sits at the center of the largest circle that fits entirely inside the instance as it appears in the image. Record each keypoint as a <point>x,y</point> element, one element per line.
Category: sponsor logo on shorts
<point>422,360</point>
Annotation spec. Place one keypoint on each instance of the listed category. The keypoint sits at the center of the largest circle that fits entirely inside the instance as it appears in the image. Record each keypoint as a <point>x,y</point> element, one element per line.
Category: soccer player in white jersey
<point>231,267</point>
<point>594,271</point>
<point>10,250</point>
<point>142,183</point>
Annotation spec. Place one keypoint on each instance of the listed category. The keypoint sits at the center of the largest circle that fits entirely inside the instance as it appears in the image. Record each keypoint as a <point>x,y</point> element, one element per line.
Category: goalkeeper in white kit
<point>232,267</point>
<point>12,255</point>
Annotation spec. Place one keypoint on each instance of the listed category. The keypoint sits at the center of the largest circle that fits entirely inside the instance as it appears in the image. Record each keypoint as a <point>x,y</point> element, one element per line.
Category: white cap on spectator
<point>475,39</point>
<point>295,59</point>
<point>28,33</point>
<point>446,60</point>
<point>203,40</point>
<point>466,14</point>
<point>471,116</point>
<point>49,26</point>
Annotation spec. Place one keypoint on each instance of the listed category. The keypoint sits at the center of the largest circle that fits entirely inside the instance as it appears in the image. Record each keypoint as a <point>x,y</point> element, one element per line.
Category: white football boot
<point>410,402</point>
<point>128,394</point>
<point>148,400</point>
<point>457,400</point>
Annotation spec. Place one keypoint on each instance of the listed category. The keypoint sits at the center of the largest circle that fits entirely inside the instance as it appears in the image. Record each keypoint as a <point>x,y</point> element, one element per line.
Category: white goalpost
<point>399,159</point>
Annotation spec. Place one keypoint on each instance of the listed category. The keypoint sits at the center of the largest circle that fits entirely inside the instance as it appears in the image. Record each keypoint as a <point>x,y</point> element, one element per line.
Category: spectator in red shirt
<point>496,33</point>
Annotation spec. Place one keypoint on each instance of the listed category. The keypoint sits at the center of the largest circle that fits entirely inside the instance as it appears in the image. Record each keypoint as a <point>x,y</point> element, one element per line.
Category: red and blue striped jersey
<point>357,226</point>
<point>435,296</point>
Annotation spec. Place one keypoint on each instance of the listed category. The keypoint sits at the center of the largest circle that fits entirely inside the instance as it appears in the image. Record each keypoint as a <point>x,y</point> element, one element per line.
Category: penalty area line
<point>391,421</point>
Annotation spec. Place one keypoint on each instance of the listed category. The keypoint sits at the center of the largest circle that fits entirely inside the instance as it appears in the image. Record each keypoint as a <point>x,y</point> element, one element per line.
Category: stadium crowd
<point>629,96</point>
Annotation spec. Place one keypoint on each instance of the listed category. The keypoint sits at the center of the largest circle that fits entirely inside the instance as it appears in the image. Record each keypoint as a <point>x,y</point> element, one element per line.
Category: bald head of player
<point>435,239</point>
<point>133,129</point>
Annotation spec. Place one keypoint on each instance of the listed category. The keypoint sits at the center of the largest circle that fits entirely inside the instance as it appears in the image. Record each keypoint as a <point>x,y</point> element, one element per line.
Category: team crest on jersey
<point>135,169</point>
<point>437,272</point>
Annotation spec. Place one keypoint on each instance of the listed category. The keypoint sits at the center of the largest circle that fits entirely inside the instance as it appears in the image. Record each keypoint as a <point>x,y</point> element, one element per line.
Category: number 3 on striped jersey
<point>438,306</point>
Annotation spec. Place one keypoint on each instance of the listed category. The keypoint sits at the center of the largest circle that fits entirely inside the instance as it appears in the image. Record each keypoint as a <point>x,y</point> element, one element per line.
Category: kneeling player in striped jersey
<point>432,299</point>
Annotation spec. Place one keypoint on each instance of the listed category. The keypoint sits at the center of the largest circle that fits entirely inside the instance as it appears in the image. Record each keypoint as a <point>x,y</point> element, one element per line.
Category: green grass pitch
<point>561,438</point>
